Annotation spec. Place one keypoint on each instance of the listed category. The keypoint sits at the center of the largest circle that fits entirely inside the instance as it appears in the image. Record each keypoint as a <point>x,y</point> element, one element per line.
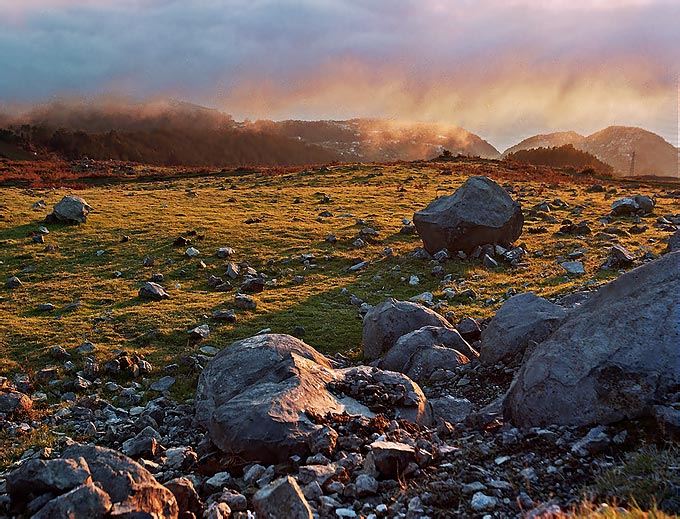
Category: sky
<point>503,69</point>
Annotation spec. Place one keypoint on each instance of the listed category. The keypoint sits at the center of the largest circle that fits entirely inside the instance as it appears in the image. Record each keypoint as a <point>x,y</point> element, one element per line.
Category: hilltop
<point>615,146</point>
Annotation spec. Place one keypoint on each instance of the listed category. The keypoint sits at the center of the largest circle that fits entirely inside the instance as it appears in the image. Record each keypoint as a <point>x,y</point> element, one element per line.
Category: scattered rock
<point>69,209</point>
<point>276,381</point>
<point>575,268</point>
<point>13,282</point>
<point>420,353</point>
<point>281,499</point>
<point>618,258</point>
<point>153,291</point>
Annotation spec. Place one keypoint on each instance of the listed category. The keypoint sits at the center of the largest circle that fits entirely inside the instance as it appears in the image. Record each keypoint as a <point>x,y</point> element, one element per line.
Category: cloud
<point>503,69</point>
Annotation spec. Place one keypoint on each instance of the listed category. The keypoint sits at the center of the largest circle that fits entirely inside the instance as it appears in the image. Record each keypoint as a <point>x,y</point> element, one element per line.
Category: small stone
<point>244,302</point>
<point>13,282</point>
<point>163,384</point>
<point>481,502</point>
<point>153,291</point>
<point>200,332</point>
<point>573,267</point>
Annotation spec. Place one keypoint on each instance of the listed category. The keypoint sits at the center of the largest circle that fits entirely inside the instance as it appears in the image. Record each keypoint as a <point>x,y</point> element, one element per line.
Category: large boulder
<point>132,488</point>
<point>522,319</point>
<point>89,481</point>
<point>386,322</point>
<point>70,209</point>
<point>479,212</point>
<point>420,353</point>
<point>36,477</point>
<point>674,242</point>
<point>612,358</point>
<point>254,397</point>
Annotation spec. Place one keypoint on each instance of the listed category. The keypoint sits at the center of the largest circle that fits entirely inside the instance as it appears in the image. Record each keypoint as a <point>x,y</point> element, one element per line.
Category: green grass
<point>648,477</point>
<point>154,214</point>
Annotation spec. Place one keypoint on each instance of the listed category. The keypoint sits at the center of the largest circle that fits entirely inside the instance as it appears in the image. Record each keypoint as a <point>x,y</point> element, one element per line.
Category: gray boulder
<point>386,322</point>
<point>131,487</point>
<point>254,395</point>
<point>85,501</point>
<point>153,292</point>
<point>451,409</point>
<point>632,204</point>
<point>522,319</point>
<point>612,358</point>
<point>674,242</point>
<point>70,209</point>
<point>36,477</point>
<point>281,499</point>
<point>479,212</point>
<point>420,353</point>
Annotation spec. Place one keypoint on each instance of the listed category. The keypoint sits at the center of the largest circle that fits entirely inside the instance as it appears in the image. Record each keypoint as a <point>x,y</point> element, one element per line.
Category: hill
<point>561,156</point>
<point>546,140</point>
<point>383,140</point>
<point>177,133</point>
<point>615,146</point>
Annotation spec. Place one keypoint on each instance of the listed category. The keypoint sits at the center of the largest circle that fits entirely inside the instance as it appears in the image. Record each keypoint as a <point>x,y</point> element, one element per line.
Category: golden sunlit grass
<point>288,207</point>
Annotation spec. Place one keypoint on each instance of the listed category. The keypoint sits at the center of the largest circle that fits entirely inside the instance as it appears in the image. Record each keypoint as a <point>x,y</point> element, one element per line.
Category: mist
<point>503,70</point>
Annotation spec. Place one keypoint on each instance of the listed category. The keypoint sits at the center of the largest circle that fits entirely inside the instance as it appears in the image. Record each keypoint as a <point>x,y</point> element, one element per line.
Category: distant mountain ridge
<point>380,140</point>
<point>615,146</point>
<point>178,133</point>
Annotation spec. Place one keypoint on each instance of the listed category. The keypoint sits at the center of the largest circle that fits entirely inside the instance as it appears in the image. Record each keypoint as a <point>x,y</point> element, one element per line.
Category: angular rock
<point>281,499</point>
<point>522,318</point>
<point>244,302</point>
<point>420,353</point>
<point>479,212</point>
<point>612,357</point>
<point>36,477</point>
<point>253,285</point>
<point>575,268</point>
<point>15,404</point>
<point>153,291</point>
<point>618,258</point>
<point>186,496</point>
<point>469,329</point>
<point>70,209</point>
<point>386,322</point>
<point>391,458</point>
<point>273,381</point>
<point>453,410</point>
<point>132,489</point>
<point>13,282</point>
<point>85,501</point>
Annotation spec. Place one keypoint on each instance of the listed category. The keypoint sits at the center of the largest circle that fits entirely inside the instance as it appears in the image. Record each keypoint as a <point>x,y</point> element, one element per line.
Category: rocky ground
<point>388,450</point>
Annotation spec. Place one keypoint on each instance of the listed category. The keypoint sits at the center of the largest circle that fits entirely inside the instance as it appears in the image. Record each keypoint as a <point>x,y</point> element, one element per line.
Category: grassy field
<point>287,207</point>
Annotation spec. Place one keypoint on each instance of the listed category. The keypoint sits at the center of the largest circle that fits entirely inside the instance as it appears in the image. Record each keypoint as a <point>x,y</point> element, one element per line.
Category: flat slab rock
<point>254,396</point>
